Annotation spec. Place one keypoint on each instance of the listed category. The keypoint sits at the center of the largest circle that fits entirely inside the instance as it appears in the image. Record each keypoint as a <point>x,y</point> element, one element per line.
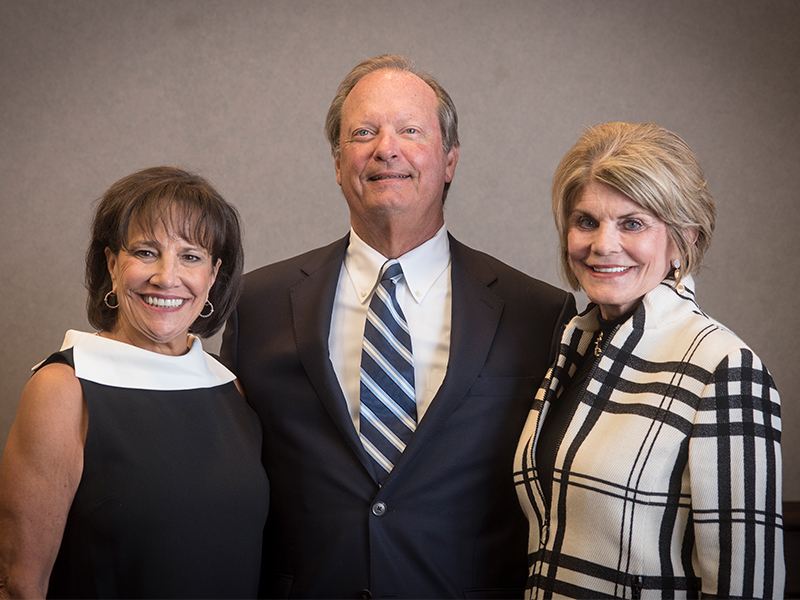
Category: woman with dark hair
<point>133,466</point>
<point>650,464</point>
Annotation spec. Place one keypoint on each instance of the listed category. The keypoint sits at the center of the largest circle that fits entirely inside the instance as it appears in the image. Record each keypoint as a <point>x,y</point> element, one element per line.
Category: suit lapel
<point>312,305</point>
<point>476,311</point>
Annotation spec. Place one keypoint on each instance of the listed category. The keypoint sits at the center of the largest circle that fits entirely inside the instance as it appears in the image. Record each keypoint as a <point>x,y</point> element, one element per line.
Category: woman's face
<point>617,249</point>
<point>162,283</point>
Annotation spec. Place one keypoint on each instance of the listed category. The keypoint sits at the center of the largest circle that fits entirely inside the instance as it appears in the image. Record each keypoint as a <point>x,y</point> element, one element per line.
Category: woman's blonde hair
<point>650,165</point>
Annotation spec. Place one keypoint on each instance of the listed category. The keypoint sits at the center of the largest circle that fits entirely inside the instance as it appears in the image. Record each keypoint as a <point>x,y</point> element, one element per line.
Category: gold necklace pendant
<point>597,350</point>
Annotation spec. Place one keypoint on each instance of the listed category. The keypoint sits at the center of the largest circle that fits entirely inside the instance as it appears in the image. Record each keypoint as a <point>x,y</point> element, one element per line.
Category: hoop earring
<point>210,312</point>
<point>106,297</point>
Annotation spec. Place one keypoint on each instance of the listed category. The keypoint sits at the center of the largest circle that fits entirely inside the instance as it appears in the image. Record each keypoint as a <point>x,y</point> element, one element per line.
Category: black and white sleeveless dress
<point>173,497</point>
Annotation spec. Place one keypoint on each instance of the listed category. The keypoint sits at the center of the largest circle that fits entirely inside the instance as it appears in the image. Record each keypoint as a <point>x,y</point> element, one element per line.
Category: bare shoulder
<point>39,474</point>
<point>53,379</point>
<point>50,426</point>
<point>52,397</point>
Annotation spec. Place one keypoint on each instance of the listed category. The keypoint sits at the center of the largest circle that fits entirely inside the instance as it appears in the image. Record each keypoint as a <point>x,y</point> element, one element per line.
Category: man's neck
<point>393,238</point>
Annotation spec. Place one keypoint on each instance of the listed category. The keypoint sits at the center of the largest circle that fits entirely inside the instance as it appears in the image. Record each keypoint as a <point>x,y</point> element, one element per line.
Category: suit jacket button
<point>365,594</point>
<point>379,509</point>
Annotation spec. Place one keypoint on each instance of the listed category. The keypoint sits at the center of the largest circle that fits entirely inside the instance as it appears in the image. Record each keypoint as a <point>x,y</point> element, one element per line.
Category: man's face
<point>392,164</point>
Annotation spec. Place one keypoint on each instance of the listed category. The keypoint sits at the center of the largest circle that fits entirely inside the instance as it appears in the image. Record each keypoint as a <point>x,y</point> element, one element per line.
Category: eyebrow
<point>146,241</point>
<point>642,212</point>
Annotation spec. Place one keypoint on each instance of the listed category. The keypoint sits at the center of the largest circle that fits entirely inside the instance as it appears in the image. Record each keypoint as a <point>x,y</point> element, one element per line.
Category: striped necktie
<point>388,401</point>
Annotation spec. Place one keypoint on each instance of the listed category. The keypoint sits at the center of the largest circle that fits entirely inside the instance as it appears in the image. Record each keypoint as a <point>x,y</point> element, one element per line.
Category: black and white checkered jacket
<point>667,482</point>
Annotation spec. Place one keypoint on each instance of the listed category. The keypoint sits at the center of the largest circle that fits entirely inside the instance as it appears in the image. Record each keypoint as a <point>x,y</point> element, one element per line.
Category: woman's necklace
<point>597,349</point>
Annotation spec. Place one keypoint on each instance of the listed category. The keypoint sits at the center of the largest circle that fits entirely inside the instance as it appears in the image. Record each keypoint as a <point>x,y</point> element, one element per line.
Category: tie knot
<point>391,271</point>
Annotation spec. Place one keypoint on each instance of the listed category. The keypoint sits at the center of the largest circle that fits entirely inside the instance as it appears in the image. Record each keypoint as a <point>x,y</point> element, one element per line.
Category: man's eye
<point>411,130</point>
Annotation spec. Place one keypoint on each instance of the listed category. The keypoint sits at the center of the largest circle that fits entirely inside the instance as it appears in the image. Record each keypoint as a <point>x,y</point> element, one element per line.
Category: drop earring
<point>676,265</point>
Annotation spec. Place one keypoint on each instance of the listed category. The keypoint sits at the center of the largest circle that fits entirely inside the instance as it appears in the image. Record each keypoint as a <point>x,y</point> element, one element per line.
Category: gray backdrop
<point>91,90</point>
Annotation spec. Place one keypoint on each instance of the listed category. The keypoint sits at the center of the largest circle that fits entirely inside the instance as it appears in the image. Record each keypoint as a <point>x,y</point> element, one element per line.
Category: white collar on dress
<point>117,364</point>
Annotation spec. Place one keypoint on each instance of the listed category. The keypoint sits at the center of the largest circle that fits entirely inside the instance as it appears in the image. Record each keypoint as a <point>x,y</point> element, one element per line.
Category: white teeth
<point>378,177</point>
<point>163,302</point>
<point>610,269</point>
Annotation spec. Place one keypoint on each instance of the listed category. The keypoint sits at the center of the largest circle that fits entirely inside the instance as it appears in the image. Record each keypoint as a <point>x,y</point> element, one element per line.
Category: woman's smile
<point>162,282</point>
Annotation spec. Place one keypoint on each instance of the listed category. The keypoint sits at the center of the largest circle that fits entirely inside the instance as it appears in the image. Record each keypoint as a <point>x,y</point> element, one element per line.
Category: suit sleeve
<point>735,471</point>
<point>229,350</point>
<point>568,310</point>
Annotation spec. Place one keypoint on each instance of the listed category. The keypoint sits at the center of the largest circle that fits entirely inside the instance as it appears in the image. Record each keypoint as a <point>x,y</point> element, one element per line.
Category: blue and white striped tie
<point>388,402</point>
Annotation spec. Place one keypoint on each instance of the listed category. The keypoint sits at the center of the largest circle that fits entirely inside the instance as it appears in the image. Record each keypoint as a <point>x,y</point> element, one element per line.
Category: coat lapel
<point>476,311</point>
<point>312,305</point>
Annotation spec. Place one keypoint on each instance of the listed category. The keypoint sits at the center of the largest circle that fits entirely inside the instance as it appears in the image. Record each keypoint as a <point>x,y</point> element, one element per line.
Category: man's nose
<point>387,146</point>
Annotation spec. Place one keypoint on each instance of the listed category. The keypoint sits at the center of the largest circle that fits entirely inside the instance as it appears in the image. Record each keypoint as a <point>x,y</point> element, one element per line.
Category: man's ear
<point>451,160</point>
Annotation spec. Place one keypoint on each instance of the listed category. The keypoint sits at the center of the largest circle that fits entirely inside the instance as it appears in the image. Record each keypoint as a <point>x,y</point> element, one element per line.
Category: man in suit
<point>437,516</point>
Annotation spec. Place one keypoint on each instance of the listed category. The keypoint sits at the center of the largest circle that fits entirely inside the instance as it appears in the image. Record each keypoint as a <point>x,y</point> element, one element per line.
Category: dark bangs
<point>184,205</point>
<point>190,216</point>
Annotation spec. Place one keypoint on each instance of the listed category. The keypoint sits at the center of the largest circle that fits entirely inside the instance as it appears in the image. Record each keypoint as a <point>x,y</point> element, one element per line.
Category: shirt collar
<point>422,266</point>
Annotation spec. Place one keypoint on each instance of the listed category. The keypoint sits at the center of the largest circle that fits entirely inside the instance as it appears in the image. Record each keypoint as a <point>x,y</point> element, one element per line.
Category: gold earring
<point>676,265</point>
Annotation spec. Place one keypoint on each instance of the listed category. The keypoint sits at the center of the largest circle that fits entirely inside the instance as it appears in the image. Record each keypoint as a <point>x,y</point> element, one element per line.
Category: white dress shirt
<point>424,295</point>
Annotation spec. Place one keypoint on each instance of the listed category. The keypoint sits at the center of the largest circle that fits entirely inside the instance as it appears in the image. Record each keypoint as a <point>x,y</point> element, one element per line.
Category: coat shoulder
<point>505,278</point>
<point>285,273</point>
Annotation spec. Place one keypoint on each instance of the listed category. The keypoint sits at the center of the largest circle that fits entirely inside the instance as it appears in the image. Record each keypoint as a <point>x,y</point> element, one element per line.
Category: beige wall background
<point>91,90</point>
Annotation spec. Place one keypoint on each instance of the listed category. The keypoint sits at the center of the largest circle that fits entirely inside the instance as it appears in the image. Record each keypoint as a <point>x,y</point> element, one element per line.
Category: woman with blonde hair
<point>650,464</point>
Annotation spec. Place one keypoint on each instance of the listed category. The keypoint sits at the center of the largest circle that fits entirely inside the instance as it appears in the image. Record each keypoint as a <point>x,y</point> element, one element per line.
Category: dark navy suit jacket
<point>447,522</point>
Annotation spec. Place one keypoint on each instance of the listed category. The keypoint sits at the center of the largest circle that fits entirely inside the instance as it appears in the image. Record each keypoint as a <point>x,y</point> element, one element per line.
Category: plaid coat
<point>667,481</point>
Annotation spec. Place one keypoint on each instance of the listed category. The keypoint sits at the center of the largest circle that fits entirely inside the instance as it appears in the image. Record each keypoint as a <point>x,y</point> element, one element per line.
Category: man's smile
<point>382,176</point>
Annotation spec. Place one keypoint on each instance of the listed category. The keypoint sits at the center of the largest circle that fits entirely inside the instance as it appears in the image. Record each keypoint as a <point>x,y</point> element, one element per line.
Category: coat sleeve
<point>735,472</point>
<point>229,348</point>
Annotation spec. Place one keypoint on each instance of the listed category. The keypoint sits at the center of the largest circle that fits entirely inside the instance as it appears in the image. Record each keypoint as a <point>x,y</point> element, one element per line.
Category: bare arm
<point>40,471</point>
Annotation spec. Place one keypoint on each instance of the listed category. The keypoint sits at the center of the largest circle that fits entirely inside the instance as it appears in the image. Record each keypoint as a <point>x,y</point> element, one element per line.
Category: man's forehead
<point>390,87</point>
<point>388,74</point>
